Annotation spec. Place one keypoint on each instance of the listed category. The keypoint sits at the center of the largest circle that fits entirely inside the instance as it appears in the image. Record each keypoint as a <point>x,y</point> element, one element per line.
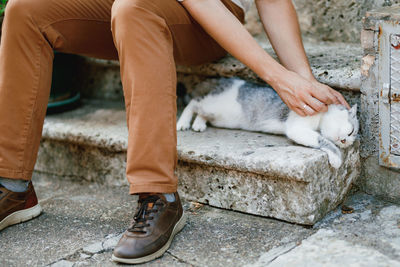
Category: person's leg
<point>151,36</point>
<point>31,30</point>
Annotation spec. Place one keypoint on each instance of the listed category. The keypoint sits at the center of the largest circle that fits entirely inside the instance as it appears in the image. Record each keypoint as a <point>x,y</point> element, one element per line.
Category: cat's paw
<point>334,159</point>
<point>182,125</point>
<point>199,126</point>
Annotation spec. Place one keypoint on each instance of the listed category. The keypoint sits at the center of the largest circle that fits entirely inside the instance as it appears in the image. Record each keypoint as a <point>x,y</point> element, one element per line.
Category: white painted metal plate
<point>389,94</point>
<point>395,94</point>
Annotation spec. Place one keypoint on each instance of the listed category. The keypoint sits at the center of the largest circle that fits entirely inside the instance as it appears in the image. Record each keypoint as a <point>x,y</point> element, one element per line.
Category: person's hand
<point>338,95</point>
<point>306,97</point>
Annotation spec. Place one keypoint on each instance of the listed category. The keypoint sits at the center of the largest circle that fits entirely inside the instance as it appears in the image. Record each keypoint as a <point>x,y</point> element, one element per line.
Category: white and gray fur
<point>248,106</point>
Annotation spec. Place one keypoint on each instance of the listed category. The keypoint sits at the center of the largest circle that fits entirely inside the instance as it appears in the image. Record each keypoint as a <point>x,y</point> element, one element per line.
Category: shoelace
<point>143,214</point>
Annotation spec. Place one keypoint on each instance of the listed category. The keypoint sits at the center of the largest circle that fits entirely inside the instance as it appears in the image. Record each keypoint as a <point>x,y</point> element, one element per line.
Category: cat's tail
<point>183,123</point>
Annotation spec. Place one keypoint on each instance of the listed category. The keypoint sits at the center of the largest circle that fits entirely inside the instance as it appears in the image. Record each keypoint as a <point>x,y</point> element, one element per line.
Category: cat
<point>238,104</point>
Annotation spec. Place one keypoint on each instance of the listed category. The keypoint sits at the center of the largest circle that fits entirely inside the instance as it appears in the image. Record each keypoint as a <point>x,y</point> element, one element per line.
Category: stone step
<point>336,64</point>
<point>244,171</point>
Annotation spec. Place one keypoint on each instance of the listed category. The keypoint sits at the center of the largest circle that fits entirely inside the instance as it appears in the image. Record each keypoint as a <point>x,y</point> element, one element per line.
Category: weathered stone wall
<point>328,20</point>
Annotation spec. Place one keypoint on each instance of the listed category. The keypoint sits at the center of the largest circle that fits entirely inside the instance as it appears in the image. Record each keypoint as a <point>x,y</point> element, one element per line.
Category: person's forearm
<point>281,25</point>
<point>295,86</point>
<point>227,30</point>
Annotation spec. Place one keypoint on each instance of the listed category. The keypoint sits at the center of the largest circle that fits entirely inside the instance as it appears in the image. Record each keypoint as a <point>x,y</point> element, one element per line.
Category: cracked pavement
<point>83,221</point>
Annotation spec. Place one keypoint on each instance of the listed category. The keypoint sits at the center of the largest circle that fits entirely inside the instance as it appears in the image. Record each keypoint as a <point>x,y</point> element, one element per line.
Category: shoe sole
<point>178,227</point>
<point>20,216</point>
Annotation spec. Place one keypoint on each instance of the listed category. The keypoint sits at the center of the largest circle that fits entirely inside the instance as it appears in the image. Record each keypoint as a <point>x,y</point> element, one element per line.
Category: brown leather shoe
<point>18,207</point>
<point>155,224</point>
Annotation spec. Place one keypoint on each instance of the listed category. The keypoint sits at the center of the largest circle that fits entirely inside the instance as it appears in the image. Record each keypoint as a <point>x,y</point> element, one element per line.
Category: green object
<point>64,94</point>
<point>67,101</point>
<point>2,6</point>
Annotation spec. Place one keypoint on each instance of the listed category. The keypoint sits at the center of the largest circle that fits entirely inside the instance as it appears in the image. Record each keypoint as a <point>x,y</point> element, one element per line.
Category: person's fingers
<point>324,94</point>
<point>308,110</point>
<point>294,104</point>
<point>316,105</point>
<point>321,96</point>
<point>341,99</point>
<point>299,111</point>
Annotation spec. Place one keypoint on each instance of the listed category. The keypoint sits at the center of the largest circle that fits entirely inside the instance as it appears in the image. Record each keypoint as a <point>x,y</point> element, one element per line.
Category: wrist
<point>307,75</point>
<point>274,76</point>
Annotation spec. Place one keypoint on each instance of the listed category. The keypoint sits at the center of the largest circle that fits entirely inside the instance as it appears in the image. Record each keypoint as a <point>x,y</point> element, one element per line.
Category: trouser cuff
<point>16,174</point>
<point>152,188</point>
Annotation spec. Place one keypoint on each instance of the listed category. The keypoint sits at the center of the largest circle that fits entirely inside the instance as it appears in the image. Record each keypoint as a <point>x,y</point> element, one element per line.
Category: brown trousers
<point>147,36</point>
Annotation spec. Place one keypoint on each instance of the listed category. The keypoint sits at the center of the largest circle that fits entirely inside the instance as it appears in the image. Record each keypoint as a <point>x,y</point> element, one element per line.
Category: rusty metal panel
<point>395,94</point>
<point>389,94</point>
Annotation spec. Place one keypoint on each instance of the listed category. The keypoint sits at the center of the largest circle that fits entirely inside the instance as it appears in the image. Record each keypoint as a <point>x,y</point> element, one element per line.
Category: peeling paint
<point>395,41</point>
<point>367,62</point>
<point>387,162</point>
<point>367,39</point>
<point>395,97</point>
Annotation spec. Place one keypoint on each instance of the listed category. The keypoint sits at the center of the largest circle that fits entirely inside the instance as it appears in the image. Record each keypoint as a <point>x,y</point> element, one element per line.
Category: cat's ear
<point>353,111</point>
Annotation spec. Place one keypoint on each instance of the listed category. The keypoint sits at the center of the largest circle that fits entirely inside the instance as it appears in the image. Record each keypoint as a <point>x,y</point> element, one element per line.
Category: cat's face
<point>342,128</point>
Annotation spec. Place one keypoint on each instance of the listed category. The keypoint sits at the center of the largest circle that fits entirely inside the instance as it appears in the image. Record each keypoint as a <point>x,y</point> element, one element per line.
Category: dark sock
<point>14,185</point>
